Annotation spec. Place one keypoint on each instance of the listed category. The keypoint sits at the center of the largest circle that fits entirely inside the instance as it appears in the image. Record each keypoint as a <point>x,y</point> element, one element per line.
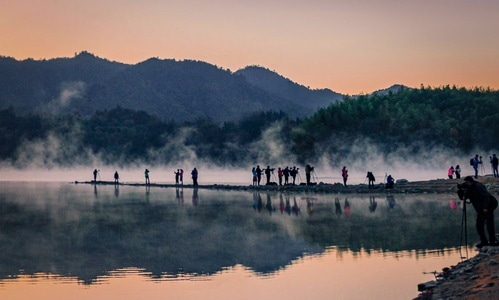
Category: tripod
<point>464,230</point>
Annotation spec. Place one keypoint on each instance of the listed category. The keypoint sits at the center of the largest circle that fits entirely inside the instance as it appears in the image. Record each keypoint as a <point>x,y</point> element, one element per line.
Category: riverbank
<point>438,186</point>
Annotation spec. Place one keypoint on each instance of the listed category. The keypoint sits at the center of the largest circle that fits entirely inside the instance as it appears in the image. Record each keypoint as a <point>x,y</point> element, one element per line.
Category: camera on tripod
<point>462,191</point>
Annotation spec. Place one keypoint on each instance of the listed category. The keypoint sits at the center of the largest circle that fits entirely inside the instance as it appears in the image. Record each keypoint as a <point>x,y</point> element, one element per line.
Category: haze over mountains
<point>170,89</point>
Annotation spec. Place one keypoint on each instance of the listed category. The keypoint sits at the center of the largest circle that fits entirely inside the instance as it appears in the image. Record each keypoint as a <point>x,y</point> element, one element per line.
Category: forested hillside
<point>453,119</point>
<point>410,123</point>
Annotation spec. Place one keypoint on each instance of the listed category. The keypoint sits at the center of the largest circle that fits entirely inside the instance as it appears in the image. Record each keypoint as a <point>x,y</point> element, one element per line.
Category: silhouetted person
<point>181,176</point>
<point>484,204</point>
<point>268,172</point>
<point>258,174</point>
<point>279,175</point>
<point>177,176</point>
<point>390,182</point>
<point>457,171</point>
<point>371,179</point>
<point>344,174</point>
<point>253,173</point>
<point>476,161</point>
<point>285,172</point>
<point>95,175</point>
<point>194,175</point>
<point>450,172</point>
<point>293,173</point>
<point>308,170</point>
<point>146,175</point>
<point>494,163</point>
<point>116,177</point>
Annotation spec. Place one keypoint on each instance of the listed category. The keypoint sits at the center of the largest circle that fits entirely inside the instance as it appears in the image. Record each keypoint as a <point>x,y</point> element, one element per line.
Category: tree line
<point>457,119</point>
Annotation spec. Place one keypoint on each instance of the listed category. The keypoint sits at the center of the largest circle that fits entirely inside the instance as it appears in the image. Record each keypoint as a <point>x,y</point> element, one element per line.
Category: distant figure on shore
<point>390,181</point>
<point>457,171</point>
<point>293,174</point>
<point>95,175</point>
<point>279,175</point>
<point>475,162</point>
<point>344,174</point>
<point>177,176</point>
<point>308,171</point>
<point>371,179</point>
<point>494,163</point>
<point>146,175</point>
<point>268,172</point>
<point>116,177</point>
<point>253,172</point>
<point>450,172</point>
<point>285,172</point>
<point>194,175</point>
<point>258,174</point>
<point>181,176</point>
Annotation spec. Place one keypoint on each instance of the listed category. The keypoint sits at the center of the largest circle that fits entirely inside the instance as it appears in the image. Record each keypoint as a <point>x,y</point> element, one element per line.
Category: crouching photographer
<point>484,204</point>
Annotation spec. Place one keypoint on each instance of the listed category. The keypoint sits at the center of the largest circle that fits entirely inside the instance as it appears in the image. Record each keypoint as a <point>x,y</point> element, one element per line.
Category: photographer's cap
<point>469,178</point>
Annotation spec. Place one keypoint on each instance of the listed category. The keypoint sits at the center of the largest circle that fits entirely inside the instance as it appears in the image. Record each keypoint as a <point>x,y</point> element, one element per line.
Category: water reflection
<point>83,231</point>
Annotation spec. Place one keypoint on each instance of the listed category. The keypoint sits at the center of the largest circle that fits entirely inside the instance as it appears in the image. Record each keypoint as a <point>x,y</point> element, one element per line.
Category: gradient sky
<point>351,47</point>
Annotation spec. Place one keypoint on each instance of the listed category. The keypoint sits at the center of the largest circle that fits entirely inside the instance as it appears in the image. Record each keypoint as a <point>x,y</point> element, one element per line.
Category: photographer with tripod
<point>484,204</point>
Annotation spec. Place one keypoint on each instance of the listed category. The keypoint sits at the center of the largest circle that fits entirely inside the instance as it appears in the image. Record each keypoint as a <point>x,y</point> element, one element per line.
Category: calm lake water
<point>67,241</point>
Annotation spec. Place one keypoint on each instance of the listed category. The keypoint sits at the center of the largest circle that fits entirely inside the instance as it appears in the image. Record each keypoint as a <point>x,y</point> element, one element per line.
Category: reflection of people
<point>371,179</point>
<point>116,191</point>
<point>146,175</point>
<point>344,174</point>
<point>372,204</point>
<point>484,204</point>
<point>346,208</point>
<point>295,209</point>
<point>116,177</point>
<point>195,197</point>
<point>390,201</point>
<point>194,175</point>
<point>337,207</point>
<point>281,204</point>
<point>268,205</point>
<point>390,181</point>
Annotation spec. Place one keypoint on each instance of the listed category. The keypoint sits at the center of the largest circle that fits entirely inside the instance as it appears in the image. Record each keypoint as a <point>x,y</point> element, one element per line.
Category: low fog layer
<point>61,157</point>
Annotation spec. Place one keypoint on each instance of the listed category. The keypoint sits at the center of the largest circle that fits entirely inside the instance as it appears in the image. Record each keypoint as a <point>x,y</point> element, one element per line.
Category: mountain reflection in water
<point>87,231</point>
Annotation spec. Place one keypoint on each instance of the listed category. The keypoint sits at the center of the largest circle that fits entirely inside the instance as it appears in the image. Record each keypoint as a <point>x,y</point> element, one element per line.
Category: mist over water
<point>61,157</point>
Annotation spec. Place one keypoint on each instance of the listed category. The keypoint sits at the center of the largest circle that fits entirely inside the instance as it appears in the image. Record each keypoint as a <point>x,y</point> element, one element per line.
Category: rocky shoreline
<point>475,278</point>
<point>437,186</point>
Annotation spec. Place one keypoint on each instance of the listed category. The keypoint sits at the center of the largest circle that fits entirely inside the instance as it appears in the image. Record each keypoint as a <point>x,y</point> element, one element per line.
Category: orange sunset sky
<point>351,47</point>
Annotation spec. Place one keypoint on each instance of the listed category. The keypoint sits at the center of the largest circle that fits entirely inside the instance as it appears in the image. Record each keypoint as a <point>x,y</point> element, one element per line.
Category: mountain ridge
<point>170,89</point>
